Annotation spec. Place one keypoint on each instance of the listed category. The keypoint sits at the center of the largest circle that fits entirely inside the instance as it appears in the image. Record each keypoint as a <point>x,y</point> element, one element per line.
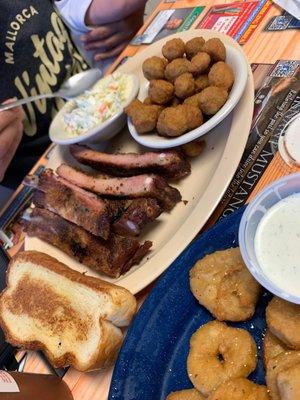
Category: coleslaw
<point>97,105</point>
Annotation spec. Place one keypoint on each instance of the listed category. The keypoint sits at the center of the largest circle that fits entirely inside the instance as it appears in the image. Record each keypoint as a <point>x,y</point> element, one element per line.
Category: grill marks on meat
<point>169,164</point>
<point>112,257</point>
<point>139,213</point>
<point>137,186</point>
<point>73,203</point>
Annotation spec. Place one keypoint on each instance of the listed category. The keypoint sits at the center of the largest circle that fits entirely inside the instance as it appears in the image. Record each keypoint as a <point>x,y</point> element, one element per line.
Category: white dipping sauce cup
<point>257,208</point>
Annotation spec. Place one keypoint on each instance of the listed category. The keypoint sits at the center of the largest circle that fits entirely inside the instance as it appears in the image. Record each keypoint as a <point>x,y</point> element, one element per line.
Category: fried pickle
<point>272,347</point>
<point>193,100</point>
<point>275,376</point>
<point>288,383</point>
<point>193,149</point>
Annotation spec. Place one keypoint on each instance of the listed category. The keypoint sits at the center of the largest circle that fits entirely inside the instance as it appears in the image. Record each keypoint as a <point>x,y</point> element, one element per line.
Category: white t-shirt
<point>73,13</point>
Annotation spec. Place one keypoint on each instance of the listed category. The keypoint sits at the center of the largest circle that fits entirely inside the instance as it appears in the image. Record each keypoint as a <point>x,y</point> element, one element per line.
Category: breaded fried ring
<point>288,383</point>
<point>283,319</point>
<point>282,363</point>
<point>240,389</point>
<point>218,353</point>
<point>222,283</point>
<point>272,347</point>
<point>173,48</point>
<point>187,394</point>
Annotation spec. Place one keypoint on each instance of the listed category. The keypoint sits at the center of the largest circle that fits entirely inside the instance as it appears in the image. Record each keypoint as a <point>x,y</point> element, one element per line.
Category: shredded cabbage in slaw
<point>97,105</point>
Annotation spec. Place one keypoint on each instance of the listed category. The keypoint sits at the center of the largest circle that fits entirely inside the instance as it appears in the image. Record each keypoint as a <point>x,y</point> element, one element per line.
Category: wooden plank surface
<point>262,47</point>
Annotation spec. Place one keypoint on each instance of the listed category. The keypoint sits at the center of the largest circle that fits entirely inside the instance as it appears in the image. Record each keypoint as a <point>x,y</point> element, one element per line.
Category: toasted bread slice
<point>73,318</point>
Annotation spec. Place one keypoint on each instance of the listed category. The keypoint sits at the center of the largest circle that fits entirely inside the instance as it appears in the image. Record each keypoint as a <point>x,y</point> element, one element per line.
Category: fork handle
<point>13,104</point>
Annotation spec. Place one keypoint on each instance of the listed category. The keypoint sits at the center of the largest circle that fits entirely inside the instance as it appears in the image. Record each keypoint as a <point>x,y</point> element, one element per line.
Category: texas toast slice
<point>75,319</point>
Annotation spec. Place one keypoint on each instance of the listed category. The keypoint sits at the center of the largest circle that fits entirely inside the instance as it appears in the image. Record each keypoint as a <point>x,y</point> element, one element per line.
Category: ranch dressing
<point>277,244</point>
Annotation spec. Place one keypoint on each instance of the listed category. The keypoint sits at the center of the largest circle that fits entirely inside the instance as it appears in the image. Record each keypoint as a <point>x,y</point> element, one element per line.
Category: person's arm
<point>11,131</point>
<point>104,11</point>
<point>79,15</point>
<point>115,23</point>
<point>109,40</point>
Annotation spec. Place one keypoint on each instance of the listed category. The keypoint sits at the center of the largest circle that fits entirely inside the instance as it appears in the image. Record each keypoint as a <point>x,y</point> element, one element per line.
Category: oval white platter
<point>211,173</point>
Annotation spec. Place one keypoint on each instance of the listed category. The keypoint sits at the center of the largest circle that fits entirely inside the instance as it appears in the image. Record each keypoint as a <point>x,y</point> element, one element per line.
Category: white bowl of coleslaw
<point>97,114</point>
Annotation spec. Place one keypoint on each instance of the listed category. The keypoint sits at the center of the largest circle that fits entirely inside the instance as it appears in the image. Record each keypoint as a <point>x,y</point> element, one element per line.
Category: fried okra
<point>184,85</point>
<point>201,82</point>
<point>221,75</point>
<point>144,117</point>
<point>200,63</point>
<point>193,149</point>
<point>175,121</point>
<point>194,46</point>
<point>216,49</point>
<point>160,91</point>
<point>193,100</point>
<point>211,99</point>
<point>173,48</point>
<point>154,68</point>
<point>176,67</point>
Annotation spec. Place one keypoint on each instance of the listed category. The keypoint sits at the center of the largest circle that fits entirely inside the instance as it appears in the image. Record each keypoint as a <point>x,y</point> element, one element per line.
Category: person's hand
<point>11,131</point>
<point>109,40</point>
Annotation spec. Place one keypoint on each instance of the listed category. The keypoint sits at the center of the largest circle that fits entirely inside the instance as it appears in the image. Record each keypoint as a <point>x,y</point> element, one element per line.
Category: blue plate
<point>152,361</point>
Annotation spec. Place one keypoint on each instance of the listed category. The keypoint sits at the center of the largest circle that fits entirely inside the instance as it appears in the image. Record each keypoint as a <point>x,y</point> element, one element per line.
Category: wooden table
<point>262,47</point>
